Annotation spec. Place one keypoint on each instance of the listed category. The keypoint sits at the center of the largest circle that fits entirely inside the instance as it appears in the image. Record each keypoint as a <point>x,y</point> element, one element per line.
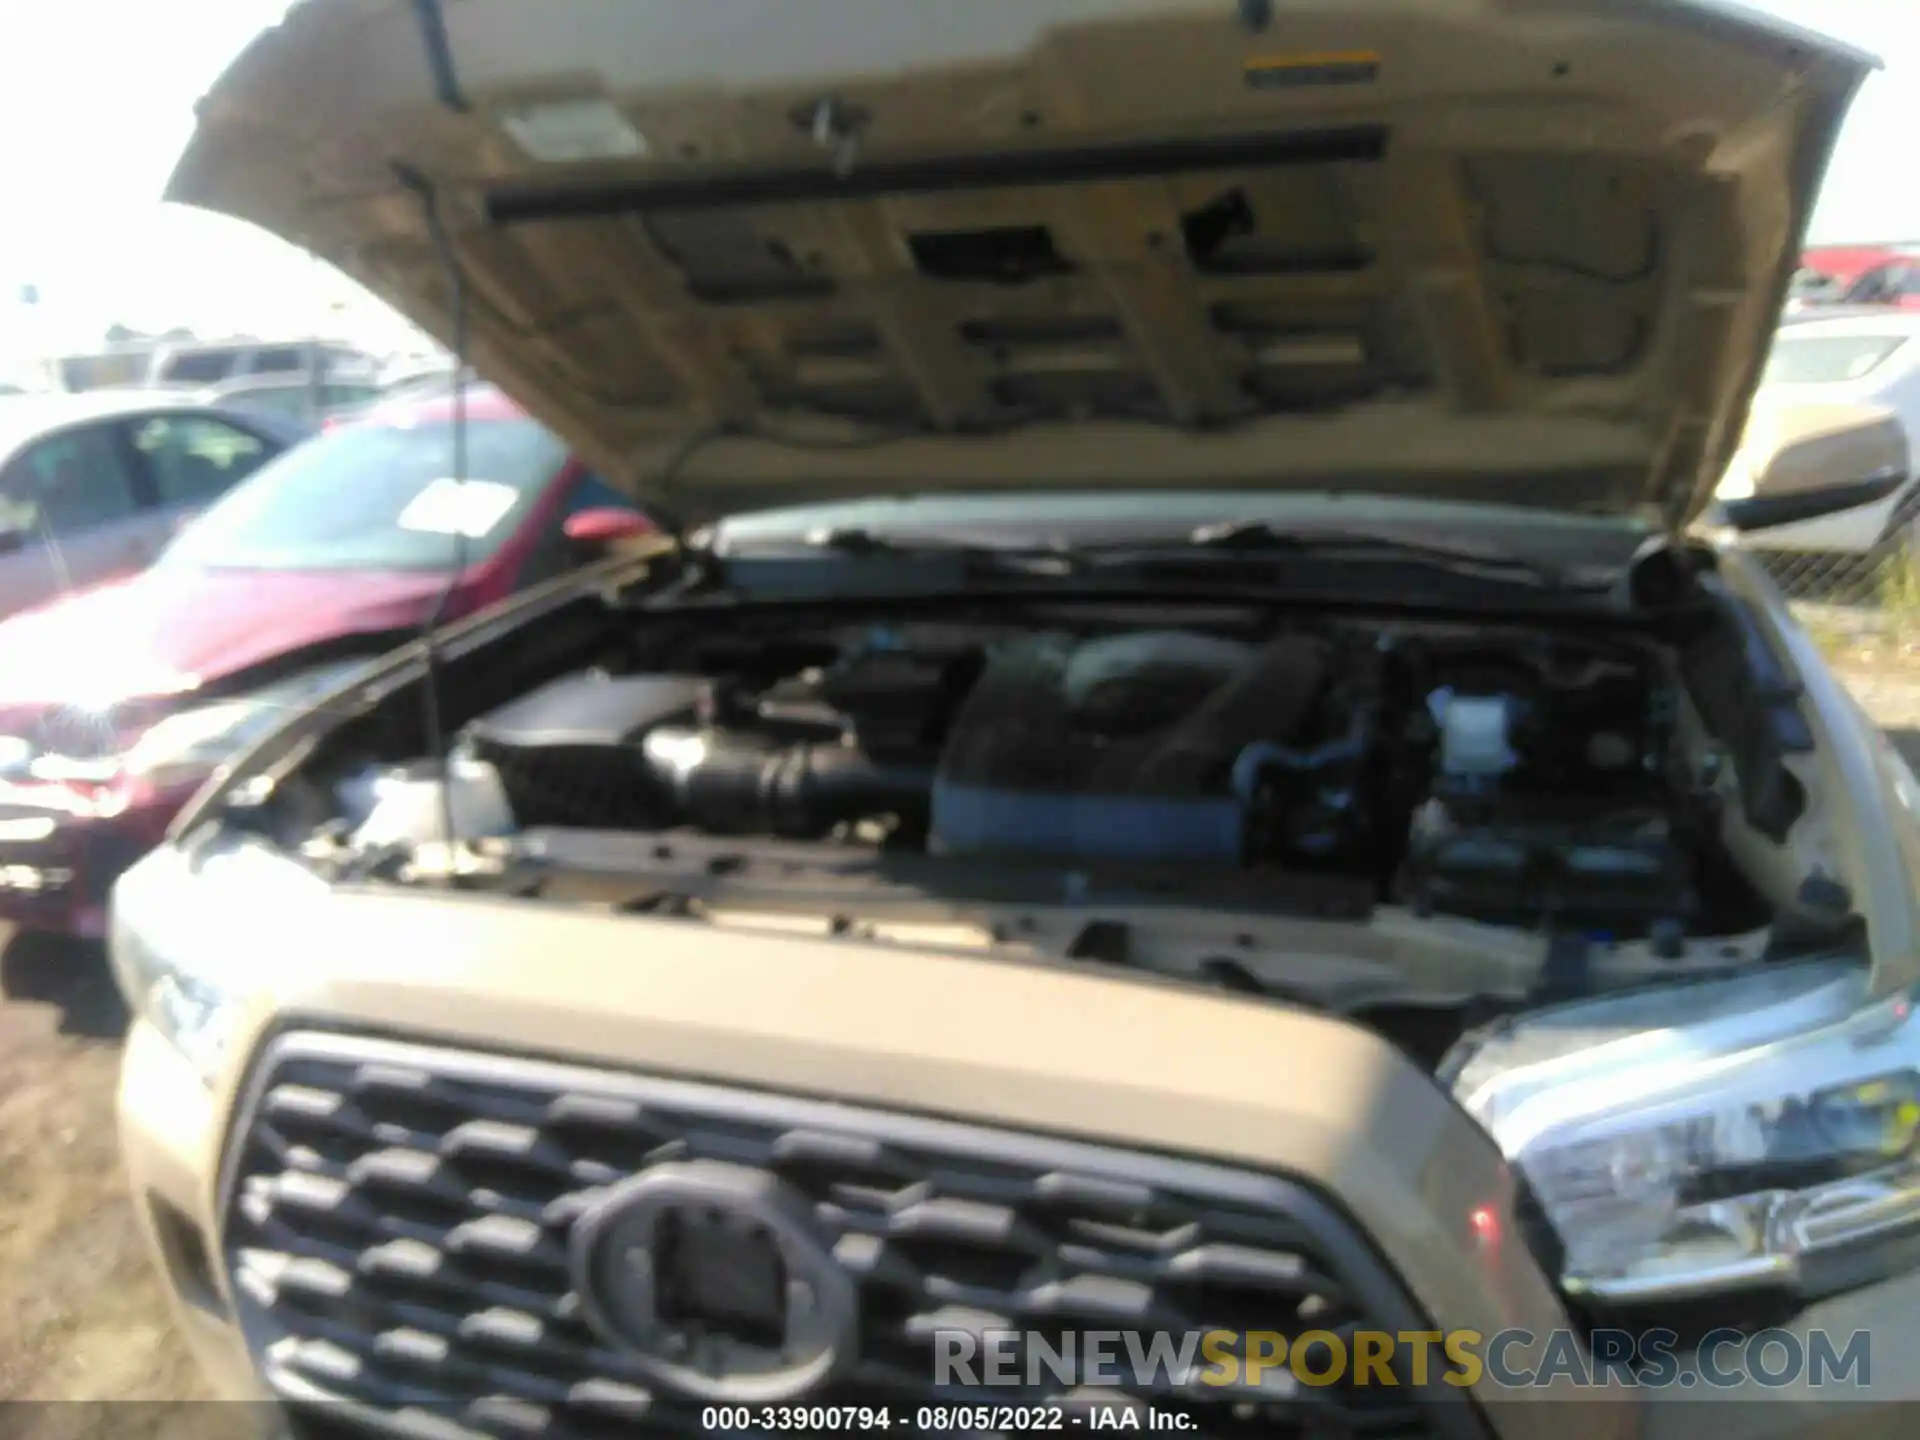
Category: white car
<point>1841,397</point>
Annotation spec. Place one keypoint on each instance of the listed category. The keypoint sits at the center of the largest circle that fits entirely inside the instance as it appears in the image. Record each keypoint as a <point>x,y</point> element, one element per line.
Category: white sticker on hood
<point>469,508</point>
<point>563,131</point>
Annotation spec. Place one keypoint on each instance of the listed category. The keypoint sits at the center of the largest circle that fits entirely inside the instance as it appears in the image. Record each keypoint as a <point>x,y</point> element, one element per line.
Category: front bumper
<point>1060,1057</point>
<point>170,1127</point>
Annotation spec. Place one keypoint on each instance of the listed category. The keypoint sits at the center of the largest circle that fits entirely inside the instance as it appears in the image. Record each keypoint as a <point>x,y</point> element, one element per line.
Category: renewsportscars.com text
<point>1511,1359</point>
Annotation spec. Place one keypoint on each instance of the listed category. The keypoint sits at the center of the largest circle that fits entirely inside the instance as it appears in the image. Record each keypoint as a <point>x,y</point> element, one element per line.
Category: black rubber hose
<point>728,783</point>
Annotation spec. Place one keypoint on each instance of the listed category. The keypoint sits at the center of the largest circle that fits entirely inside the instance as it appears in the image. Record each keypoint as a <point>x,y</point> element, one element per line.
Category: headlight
<point>16,753</point>
<point>1757,1131</point>
<point>185,939</point>
<point>193,742</point>
<point>193,1009</point>
<point>188,745</point>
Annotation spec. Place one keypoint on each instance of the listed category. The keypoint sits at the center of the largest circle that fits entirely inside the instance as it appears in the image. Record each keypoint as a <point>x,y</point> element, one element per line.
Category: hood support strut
<point>433,31</point>
<point>433,35</point>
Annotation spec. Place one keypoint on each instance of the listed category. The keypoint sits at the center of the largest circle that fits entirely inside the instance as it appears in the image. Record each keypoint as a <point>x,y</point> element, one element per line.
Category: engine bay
<point>1418,822</point>
<point>1537,784</point>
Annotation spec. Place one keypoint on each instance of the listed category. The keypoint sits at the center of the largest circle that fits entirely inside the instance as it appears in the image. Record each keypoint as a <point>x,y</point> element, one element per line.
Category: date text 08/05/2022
<point>958,1419</point>
<point>1265,1363</point>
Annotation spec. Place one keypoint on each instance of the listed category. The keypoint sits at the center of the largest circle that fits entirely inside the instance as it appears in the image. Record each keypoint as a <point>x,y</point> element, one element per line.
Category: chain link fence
<point>1853,599</point>
<point>1880,580</point>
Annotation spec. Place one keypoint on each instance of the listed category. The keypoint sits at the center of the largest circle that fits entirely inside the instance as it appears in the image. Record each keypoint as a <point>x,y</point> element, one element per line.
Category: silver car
<point>93,486</point>
<point>297,398</point>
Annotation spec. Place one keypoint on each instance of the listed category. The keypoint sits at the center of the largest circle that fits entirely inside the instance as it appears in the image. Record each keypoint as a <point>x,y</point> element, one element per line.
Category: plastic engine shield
<point>972,820</point>
<point>1116,749</point>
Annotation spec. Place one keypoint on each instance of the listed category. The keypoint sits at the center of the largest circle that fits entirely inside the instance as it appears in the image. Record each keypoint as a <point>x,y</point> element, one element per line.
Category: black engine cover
<point>568,752</point>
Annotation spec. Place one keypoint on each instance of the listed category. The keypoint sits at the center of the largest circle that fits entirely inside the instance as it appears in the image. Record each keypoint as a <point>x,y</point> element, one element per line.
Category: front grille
<point>398,1219</point>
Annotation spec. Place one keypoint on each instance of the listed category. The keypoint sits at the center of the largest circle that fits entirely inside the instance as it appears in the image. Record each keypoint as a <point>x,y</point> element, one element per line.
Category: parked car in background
<point>421,384</point>
<point>1812,287</point>
<point>1838,405</point>
<point>1895,283</point>
<point>115,367</point>
<point>197,365</point>
<point>116,704</point>
<point>1855,274</point>
<point>200,363</point>
<point>93,486</point>
<point>411,369</point>
<point>1805,312</point>
<point>297,397</point>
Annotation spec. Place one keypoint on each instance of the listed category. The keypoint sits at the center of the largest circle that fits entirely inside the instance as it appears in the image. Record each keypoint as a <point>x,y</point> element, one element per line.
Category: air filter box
<point>569,752</point>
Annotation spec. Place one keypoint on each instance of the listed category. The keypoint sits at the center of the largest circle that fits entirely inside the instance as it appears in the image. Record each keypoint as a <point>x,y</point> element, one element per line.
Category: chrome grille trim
<point>394,1222</point>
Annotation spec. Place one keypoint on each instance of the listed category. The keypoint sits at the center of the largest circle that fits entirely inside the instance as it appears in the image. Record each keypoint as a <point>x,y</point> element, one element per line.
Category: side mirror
<point>12,540</point>
<point>1766,512</point>
<point>1805,462</point>
<point>606,526</point>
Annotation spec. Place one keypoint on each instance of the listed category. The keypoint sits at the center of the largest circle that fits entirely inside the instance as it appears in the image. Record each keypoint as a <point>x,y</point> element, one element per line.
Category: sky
<point>96,101</point>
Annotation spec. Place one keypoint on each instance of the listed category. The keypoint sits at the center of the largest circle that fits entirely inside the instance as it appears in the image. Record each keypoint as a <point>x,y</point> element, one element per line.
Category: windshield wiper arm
<point>1059,558</point>
<point>1259,537</point>
<point>853,540</point>
<point>850,552</point>
<point>858,540</point>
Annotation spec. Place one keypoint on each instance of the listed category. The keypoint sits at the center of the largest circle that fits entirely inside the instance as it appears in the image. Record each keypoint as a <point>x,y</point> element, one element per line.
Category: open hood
<point>751,252</point>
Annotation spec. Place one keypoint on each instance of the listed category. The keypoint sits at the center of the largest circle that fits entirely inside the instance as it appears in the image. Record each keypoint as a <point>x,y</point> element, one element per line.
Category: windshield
<point>376,497</point>
<point>198,367</point>
<point>1812,285</point>
<point>1828,359</point>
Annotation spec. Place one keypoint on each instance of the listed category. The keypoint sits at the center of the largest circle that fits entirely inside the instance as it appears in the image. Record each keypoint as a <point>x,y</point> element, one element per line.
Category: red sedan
<point>116,703</point>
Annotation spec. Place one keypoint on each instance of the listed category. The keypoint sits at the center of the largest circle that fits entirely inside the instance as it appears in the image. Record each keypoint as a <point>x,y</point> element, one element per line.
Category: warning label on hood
<point>1338,67</point>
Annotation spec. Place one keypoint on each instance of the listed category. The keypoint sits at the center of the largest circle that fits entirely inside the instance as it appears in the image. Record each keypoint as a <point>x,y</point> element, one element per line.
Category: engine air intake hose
<point>729,783</point>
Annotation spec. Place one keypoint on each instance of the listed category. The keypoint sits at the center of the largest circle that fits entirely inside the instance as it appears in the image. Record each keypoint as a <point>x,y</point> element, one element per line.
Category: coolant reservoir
<point>1474,733</point>
<point>407,807</point>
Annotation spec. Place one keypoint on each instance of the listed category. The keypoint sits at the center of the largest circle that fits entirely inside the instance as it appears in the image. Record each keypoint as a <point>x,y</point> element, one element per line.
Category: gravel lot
<point>87,1322</point>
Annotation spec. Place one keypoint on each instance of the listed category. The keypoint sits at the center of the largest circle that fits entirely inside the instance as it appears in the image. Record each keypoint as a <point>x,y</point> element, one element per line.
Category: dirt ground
<point>86,1317</point>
